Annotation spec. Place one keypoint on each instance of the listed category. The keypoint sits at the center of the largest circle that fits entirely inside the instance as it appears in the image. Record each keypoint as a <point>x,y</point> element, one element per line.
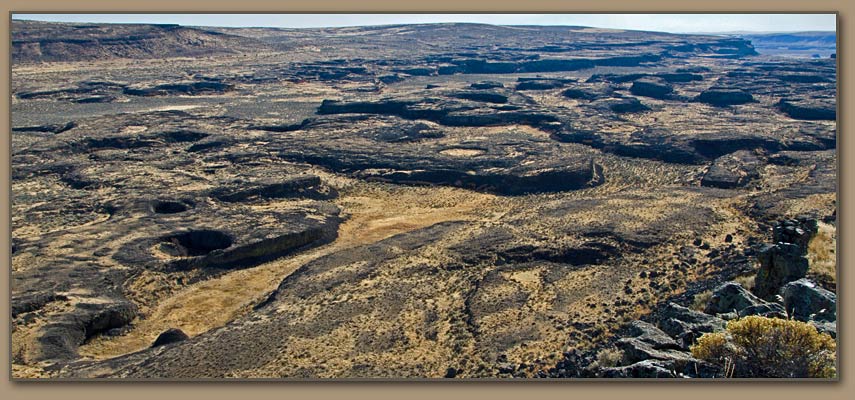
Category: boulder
<point>769,310</point>
<point>687,325</point>
<point>827,327</point>
<point>171,335</point>
<point>635,350</point>
<point>805,301</point>
<point>731,296</point>
<point>796,231</point>
<point>779,264</point>
<point>641,369</point>
<point>648,342</point>
<point>652,335</point>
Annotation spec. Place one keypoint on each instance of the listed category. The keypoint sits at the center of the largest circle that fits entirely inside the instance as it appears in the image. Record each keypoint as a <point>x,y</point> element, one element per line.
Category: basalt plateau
<point>406,201</point>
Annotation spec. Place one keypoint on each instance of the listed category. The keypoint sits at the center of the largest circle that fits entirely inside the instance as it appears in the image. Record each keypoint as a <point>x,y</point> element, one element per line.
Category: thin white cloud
<point>683,23</point>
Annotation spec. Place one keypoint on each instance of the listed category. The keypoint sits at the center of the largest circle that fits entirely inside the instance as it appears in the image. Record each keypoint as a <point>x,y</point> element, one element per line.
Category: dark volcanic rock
<point>541,84</point>
<point>805,300</point>
<point>796,231</point>
<point>481,165</point>
<point>59,340</point>
<point>304,186</point>
<point>33,301</point>
<point>809,109</point>
<point>45,42</point>
<point>409,132</point>
<point>169,336</point>
<point>725,97</point>
<point>786,260</point>
<point>731,296</point>
<point>652,335</point>
<point>489,97</point>
<point>733,170</point>
<point>687,325</point>
<point>199,247</point>
<point>123,212</point>
<point>650,343</point>
<point>95,99</point>
<point>679,77</point>
<point>487,85</point>
<point>52,128</point>
<point>642,369</point>
<point>651,88</point>
<point>187,88</point>
<point>627,105</point>
<point>779,264</point>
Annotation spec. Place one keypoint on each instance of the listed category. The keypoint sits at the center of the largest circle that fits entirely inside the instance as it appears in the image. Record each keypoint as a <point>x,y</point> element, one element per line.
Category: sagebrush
<point>760,347</point>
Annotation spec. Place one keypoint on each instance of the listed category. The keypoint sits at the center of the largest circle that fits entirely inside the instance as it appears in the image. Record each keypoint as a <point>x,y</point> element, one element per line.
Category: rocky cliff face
<point>46,42</point>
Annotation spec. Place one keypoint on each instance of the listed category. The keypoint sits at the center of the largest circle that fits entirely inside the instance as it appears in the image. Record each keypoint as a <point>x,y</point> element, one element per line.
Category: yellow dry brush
<point>760,347</point>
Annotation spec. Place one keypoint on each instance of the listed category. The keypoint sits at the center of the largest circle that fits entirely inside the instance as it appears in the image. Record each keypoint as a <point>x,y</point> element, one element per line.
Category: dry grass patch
<point>700,301</point>
<point>747,281</point>
<point>822,257</point>
<point>608,358</point>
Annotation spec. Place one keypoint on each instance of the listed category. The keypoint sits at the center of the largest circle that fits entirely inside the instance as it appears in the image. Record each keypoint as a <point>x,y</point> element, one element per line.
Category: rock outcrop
<point>786,260</point>
<point>806,301</point>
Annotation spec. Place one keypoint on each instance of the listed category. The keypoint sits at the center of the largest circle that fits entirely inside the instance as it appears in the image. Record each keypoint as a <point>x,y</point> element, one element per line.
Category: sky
<point>675,23</point>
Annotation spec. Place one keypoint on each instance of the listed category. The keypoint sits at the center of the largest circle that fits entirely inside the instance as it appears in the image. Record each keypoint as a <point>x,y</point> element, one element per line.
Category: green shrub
<point>760,347</point>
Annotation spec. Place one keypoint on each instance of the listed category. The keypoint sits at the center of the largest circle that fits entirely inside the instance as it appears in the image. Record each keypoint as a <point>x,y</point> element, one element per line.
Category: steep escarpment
<point>34,41</point>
